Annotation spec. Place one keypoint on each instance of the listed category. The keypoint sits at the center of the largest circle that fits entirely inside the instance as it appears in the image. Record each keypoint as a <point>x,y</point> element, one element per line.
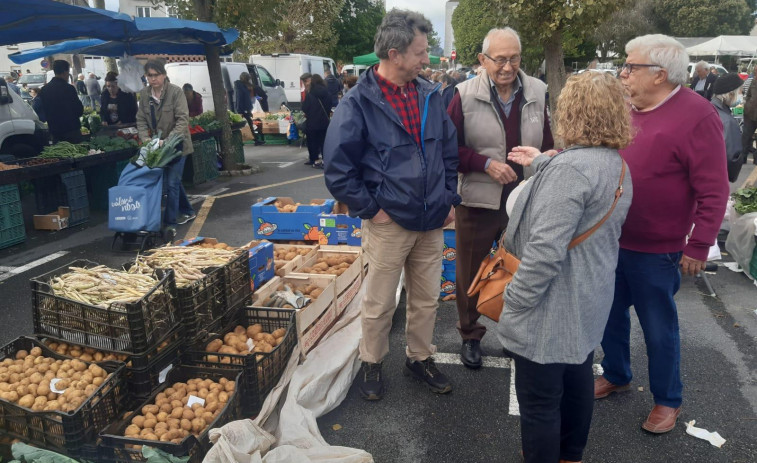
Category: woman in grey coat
<point>558,302</point>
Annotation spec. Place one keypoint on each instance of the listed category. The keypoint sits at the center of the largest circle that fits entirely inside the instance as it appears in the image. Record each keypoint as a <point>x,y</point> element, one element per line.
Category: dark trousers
<point>556,403</point>
<point>72,136</point>
<point>315,140</point>
<point>475,231</point>
<point>747,133</point>
<point>648,282</point>
<point>248,117</point>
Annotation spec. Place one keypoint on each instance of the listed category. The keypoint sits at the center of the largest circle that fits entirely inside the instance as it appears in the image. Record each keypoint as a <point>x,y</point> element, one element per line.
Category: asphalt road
<point>475,422</point>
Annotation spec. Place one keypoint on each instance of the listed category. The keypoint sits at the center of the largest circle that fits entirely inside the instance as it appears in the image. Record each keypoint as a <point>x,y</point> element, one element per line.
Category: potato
<point>279,333</point>
<point>132,430</point>
<point>165,408</point>
<point>252,330</point>
<point>223,397</point>
<point>174,423</point>
<point>21,354</point>
<point>43,388</point>
<point>163,416</point>
<point>186,424</point>
<point>187,414</point>
<point>36,351</point>
<point>22,390</point>
<point>98,381</point>
<point>150,409</point>
<point>239,329</point>
<point>150,436</point>
<point>145,431</point>
<point>138,421</point>
<point>150,423</point>
<point>198,425</point>
<point>214,345</point>
<point>26,401</point>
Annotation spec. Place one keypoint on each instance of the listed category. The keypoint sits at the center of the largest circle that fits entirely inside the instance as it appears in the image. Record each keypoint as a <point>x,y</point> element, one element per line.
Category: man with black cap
<point>726,93</point>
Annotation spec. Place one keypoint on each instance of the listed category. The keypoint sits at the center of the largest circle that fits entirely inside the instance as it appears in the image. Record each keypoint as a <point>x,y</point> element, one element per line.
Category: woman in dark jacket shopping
<point>36,104</point>
<point>726,93</point>
<point>317,100</point>
<point>557,305</point>
<point>117,106</point>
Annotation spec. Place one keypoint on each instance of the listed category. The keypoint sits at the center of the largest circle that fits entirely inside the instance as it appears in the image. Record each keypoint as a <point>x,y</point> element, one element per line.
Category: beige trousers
<point>390,248</point>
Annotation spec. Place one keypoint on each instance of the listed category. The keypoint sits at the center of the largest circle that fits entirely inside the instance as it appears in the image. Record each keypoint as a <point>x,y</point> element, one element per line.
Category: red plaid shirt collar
<point>404,100</point>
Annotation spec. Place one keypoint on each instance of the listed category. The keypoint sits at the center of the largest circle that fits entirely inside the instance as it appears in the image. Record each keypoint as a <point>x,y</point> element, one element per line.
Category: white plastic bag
<point>239,441</point>
<point>740,242</point>
<point>130,74</point>
<point>256,108</point>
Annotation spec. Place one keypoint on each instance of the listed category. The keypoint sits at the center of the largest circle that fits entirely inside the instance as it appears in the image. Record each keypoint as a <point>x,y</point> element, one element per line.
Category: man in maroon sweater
<point>678,167</point>
<point>495,111</point>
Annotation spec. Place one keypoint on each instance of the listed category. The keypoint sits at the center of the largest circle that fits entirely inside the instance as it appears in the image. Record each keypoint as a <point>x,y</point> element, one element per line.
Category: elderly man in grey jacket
<point>93,90</point>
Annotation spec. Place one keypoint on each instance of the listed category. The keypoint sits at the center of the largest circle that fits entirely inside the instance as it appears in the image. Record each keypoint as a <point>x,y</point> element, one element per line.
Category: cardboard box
<point>447,285</point>
<point>271,126</point>
<point>269,223</point>
<point>348,283</point>
<point>340,227</point>
<point>315,319</point>
<point>56,220</point>
<point>261,263</point>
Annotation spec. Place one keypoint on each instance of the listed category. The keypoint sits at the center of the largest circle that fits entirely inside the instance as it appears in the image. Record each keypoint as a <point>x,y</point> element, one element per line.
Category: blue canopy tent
<point>132,46</point>
<point>46,20</point>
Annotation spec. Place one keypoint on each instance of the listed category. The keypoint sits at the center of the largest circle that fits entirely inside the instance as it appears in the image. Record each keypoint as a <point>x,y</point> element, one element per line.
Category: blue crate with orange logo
<point>281,218</point>
<point>340,228</point>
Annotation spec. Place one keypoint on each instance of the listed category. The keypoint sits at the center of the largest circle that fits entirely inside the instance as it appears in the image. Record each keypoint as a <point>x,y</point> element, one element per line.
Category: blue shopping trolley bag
<point>134,204</point>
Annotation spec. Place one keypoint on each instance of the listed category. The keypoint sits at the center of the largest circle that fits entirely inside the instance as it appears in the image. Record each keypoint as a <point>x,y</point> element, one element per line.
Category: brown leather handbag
<point>497,270</point>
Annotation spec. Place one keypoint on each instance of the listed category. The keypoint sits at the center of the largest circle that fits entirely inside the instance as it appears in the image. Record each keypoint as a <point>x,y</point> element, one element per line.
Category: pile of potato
<point>89,354</point>
<point>26,381</point>
<point>170,420</point>
<point>290,253</point>
<point>238,342</point>
<point>281,207</point>
<point>330,265</point>
<point>205,245</point>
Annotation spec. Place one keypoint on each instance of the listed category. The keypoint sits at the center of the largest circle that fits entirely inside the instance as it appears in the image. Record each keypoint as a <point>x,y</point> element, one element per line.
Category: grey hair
<point>398,30</point>
<point>664,51</point>
<point>499,31</point>
<point>728,98</point>
<point>702,65</point>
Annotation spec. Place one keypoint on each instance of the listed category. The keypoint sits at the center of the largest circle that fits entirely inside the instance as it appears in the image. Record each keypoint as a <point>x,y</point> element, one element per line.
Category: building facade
<point>144,9</point>
<point>6,65</point>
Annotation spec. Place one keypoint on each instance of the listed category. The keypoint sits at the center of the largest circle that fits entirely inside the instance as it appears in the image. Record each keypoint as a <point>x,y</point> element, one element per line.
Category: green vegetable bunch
<point>746,200</point>
<point>108,144</point>
<point>153,155</point>
<point>64,150</point>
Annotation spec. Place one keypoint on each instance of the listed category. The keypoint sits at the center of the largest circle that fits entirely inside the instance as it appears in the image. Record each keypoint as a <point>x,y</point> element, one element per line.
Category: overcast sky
<point>432,9</point>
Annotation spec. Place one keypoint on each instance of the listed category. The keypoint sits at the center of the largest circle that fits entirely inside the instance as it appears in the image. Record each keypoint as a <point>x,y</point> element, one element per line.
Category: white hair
<point>664,51</point>
<point>702,65</point>
<point>499,31</point>
<point>728,98</point>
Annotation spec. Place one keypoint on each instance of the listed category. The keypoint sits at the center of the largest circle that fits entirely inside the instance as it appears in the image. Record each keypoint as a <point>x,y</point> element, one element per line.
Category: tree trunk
<point>219,106</point>
<point>555,68</point>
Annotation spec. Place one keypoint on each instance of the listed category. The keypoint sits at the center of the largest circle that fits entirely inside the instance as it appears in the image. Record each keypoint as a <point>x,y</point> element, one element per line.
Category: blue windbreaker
<point>371,162</point>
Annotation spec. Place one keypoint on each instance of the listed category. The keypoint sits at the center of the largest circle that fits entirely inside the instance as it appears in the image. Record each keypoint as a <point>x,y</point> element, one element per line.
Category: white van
<point>288,67</point>
<point>354,69</point>
<point>21,132</point>
<point>720,69</point>
<point>197,75</point>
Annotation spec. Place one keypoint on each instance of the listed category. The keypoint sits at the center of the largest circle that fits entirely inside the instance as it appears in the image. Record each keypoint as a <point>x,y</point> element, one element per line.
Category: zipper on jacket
<point>424,167</point>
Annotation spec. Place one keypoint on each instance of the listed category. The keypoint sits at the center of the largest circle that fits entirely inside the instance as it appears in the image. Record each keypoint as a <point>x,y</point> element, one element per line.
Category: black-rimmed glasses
<point>501,62</point>
<point>630,66</point>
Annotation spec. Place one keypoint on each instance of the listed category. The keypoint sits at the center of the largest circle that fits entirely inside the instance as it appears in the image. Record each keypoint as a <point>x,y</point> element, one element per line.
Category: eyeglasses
<point>153,76</point>
<point>501,62</point>
<point>629,67</point>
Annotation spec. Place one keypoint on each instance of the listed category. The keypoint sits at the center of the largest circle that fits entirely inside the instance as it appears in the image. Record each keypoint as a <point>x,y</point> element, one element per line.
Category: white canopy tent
<point>735,45</point>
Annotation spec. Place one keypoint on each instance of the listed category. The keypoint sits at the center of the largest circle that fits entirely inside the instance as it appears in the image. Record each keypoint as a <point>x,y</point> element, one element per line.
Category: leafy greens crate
<point>62,432</point>
<point>116,448</point>
<point>132,327</point>
<point>260,371</point>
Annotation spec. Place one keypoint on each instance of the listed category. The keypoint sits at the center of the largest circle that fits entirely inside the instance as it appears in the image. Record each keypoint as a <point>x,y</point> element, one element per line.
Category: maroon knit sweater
<point>678,168</point>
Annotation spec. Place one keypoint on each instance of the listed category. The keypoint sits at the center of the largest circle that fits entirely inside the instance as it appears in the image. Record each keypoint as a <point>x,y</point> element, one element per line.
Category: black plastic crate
<point>66,189</point>
<point>237,288</point>
<point>261,371</point>
<point>67,433</point>
<point>202,302</point>
<point>133,327</point>
<point>143,370</point>
<point>113,444</point>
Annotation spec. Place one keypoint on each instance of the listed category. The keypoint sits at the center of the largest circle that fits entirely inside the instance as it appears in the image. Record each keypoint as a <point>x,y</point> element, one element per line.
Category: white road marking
<point>280,164</point>
<point>514,408</point>
<point>13,271</point>
<point>489,362</point>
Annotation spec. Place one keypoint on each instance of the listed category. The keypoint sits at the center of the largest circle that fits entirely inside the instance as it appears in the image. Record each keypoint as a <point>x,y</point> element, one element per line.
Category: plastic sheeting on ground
<point>288,431</point>
<point>740,242</point>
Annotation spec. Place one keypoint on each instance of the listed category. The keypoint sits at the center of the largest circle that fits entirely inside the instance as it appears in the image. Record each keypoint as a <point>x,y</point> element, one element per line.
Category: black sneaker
<point>426,371</point>
<point>184,218</point>
<point>372,385</point>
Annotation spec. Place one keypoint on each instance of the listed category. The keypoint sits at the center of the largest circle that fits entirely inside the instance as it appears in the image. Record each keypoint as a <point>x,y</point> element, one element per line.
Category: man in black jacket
<point>62,105</point>
<point>333,86</point>
<point>703,80</point>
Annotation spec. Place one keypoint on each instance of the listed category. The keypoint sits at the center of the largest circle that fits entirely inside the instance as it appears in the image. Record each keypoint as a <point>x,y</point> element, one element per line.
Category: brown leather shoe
<point>603,388</point>
<point>661,419</point>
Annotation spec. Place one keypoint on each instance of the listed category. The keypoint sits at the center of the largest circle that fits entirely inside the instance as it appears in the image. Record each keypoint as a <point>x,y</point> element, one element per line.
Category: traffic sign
<point>43,64</point>
<point>453,55</point>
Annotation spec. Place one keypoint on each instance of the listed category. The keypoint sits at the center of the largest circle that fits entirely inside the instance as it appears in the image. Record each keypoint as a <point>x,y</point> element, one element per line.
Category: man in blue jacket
<point>391,156</point>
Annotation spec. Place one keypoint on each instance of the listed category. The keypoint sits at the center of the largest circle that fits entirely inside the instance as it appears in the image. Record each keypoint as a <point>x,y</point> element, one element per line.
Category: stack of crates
<point>209,154</point>
<point>202,164</point>
<point>237,144</point>
<point>100,179</point>
<point>67,189</point>
<point>11,218</point>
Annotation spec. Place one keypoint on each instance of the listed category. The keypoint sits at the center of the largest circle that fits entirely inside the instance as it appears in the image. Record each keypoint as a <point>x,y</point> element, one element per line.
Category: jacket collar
<point>369,87</point>
<point>484,85</point>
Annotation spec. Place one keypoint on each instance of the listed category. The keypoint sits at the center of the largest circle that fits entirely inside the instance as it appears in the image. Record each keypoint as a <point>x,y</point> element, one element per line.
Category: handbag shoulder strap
<point>618,193</point>
<point>324,109</point>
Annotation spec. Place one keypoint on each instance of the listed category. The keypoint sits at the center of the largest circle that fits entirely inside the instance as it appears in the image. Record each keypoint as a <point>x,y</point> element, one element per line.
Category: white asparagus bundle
<point>101,286</point>
<point>187,262</point>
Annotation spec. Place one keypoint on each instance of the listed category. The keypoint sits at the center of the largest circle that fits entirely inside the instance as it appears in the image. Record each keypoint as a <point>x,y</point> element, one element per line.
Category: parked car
<point>32,80</point>
<point>21,132</point>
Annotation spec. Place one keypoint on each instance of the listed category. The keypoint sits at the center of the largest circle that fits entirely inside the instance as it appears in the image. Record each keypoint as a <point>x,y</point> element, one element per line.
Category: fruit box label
<point>303,224</point>
<point>261,265</point>
<point>342,229</point>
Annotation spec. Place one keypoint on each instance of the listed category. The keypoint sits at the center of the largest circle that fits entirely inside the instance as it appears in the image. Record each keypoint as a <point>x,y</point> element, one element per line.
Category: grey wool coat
<point>557,305</point>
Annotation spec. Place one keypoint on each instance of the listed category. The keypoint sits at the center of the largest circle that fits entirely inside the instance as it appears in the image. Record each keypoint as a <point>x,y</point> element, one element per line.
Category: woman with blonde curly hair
<point>557,305</point>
